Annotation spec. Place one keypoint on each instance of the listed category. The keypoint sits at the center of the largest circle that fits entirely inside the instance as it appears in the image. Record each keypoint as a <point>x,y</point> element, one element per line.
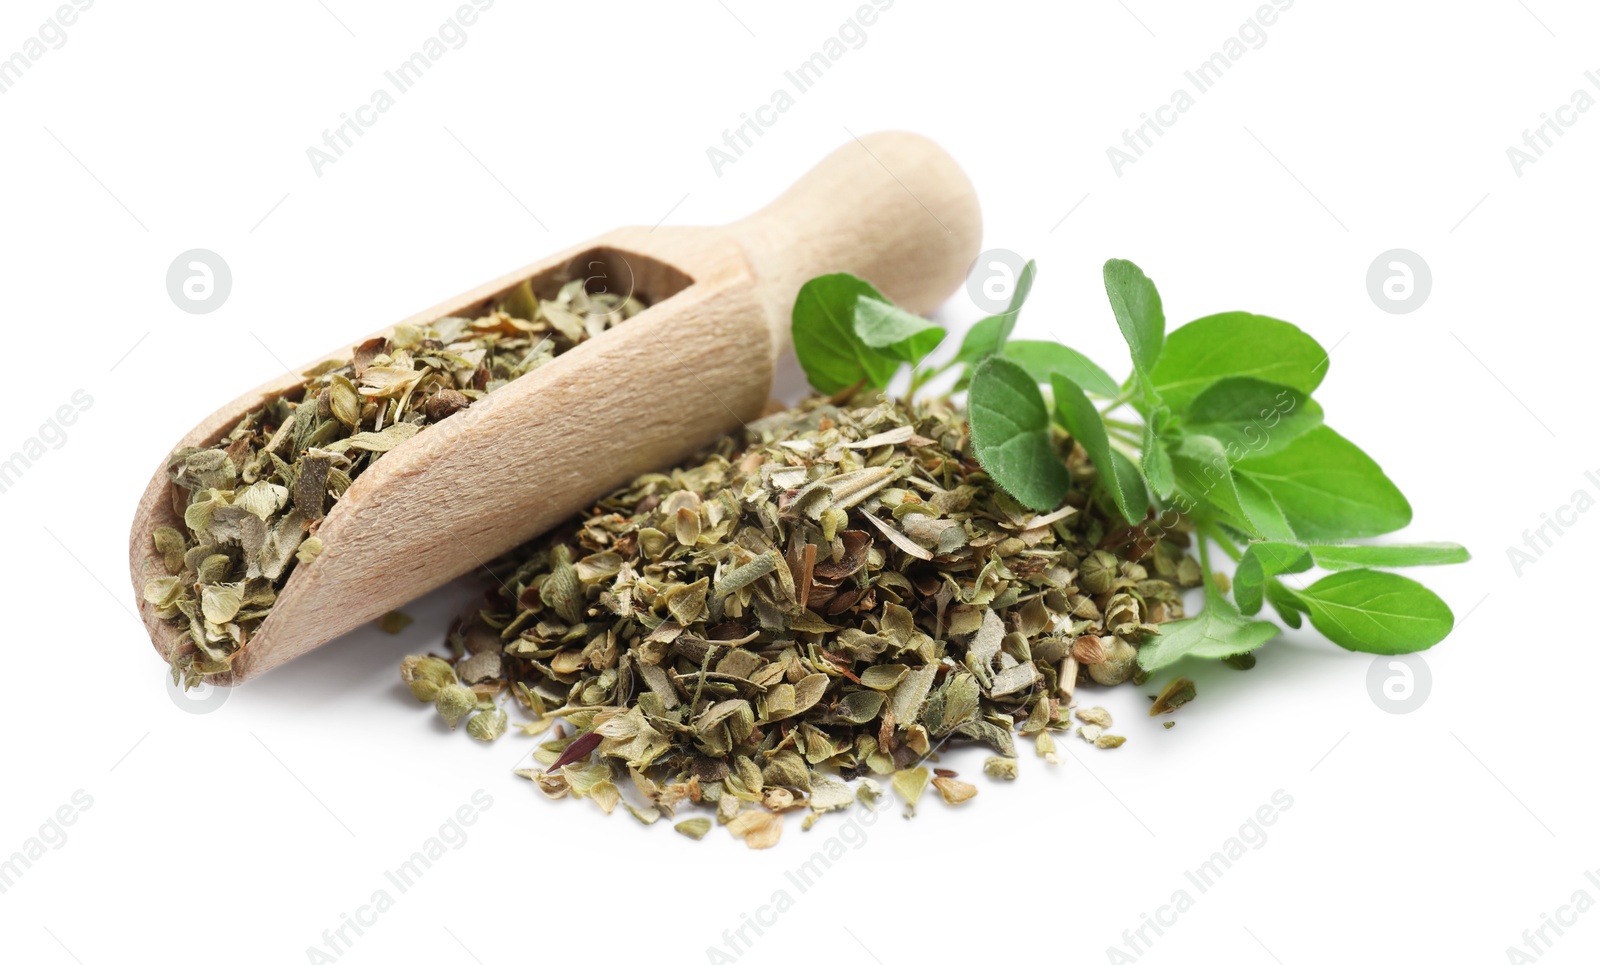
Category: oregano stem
<point>1228,545</point>
<point>1205,565</point>
<point>1116,404</point>
<point>1129,449</point>
<point>919,377</point>
<point>1123,436</point>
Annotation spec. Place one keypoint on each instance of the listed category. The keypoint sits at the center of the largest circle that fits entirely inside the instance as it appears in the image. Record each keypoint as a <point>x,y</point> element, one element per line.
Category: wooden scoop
<point>892,208</point>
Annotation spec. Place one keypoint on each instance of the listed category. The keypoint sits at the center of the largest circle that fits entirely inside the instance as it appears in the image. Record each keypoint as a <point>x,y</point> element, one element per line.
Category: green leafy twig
<point>1229,442</point>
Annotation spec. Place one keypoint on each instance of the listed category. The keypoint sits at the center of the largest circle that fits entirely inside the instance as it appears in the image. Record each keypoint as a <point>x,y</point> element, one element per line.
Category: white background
<point>1358,127</point>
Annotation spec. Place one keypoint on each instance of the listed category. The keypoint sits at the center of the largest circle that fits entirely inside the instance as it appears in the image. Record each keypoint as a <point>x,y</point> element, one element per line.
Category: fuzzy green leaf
<point>1287,605</point>
<point>1376,612</point>
<point>1236,344</point>
<point>1137,306</point>
<point>1345,557</point>
<point>1218,631</point>
<point>1043,359</point>
<point>1328,489</point>
<point>1082,421</point>
<point>1261,562</point>
<point>1019,295</point>
<point>1011,434</point>
<point>1156,462</point>
<point>992,335</point>
<point>981,341</point>
<point>894,331</point>
<point>1263,512</point>
<point>1202,473</point>
<point>1131,482</point>
<point>1251,417</point>
<point>823,328</point>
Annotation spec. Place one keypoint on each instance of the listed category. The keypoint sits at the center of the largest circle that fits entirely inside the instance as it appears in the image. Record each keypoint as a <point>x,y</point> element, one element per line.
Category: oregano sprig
<point>1223,437</point>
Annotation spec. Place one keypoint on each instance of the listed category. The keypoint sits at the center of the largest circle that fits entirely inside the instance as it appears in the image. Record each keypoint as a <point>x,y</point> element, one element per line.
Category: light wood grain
<point>891,207</point>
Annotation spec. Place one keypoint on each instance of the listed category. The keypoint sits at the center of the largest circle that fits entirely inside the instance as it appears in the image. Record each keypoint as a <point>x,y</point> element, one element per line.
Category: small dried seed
<point>1088,650</point>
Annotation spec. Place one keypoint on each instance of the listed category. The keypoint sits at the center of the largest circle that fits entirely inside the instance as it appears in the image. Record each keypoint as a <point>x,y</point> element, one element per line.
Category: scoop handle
<point>891,207</point>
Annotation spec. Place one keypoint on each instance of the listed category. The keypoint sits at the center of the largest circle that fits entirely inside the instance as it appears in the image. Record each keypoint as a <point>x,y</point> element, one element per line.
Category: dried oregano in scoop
<point>836,595</point>
<point>251,504</point>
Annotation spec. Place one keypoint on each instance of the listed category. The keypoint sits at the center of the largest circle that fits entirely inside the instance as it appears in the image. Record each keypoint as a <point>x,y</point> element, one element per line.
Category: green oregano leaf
<point>1155,460</point>
<point>1019,295</point>
<point>1218,631</point>
<point>1011,434</point>
<point>1285,603</point>
<point>1203,475</point>
<point>1082,421</point>
<point>823,328</point>
<point>1376,612</point>
<point>1251,417</point>
<point>1260,563</point>
<point>1249,586</point>
<point>981,341</point>
<point>1261,510</point>
<point>992,335</point>
<point>1344,557</point>
<point>1131,482</point>
<point>1236,344</point>
<point>1137,306</point>
<point>1328,489</point>
<point>1043,359</point>
<point>894,331</point>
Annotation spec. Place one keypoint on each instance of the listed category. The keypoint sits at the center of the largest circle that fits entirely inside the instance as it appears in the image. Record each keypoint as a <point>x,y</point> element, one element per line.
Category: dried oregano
<point>836,594</point>
<point>251,504</point>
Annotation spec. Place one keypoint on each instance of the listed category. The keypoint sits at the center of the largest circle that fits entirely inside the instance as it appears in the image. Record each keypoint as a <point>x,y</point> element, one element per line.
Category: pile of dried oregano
<point>251,504</point>
<point>837,595</point>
